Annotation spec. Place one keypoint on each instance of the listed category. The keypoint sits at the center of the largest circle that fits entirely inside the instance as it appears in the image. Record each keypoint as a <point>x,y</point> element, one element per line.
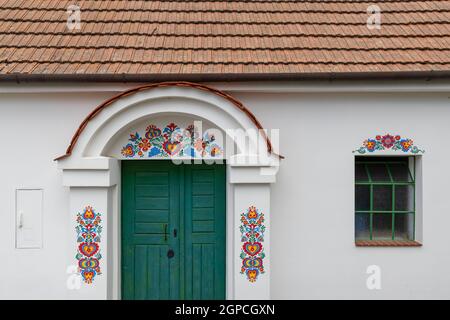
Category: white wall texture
<point>34,129</point>
<point>312,219</point>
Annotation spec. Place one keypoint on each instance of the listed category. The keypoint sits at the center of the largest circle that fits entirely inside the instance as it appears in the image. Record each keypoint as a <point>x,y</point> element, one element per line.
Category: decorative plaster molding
<point>106,121</point>
<point>305,86</point>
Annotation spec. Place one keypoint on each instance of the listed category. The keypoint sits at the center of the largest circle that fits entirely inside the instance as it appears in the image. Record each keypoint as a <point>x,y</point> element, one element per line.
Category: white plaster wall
<point>312,220</point>
<point>313,251</point>
<point>34,129</point>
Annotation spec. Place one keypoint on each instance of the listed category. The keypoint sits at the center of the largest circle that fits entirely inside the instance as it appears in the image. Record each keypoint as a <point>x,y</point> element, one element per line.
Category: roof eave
<point>17,77</point>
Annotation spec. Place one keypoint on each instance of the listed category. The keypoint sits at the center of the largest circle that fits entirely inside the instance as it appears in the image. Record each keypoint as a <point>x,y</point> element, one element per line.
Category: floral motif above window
<point>170,142</point>
<point>388,142</point>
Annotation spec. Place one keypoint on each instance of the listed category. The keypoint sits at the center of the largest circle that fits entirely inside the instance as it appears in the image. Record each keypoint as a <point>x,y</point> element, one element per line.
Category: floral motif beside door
<point>88,255</point>
<point>252,237</point>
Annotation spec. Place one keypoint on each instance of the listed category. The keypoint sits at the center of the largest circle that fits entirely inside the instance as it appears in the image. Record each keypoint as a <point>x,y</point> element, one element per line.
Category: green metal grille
<point>390,181</point>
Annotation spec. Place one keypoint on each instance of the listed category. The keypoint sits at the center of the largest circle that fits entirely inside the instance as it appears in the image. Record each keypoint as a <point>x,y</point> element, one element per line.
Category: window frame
<point>411,166</point>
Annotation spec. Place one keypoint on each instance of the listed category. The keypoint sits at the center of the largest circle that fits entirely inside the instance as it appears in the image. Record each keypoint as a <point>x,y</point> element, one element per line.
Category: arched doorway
<point>94,162</point>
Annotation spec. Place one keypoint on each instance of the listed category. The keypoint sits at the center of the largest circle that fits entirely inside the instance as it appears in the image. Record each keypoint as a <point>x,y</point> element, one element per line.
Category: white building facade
<point>290,220</point>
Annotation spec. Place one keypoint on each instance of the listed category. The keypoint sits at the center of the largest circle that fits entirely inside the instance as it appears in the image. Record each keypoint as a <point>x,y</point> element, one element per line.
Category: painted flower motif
<point>215,151</point>
<point>152,132</point>
<point>199,145</point>
<point>171,127</point>
<point>128,151</point>
<point>189,132</point>
<point>88,238</point>
<point>252,213</point>
<point>172,133</point>
<point>406,144</point>
<point>252,238</point>
<point>388,141</point>
<point>88,213</point>
<point>252,275</point>
<point>135,137</point>
<point>171,141</point>
<point>171,148</point>
<point>144,145</point>
<point>210,137</point>
<point>370,144</point>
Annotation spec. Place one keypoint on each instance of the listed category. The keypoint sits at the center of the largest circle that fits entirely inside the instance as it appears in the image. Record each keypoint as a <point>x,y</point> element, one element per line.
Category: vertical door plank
<point>140,271</point>
<point>164,279</point>
<point>153,274</point>
<point>208,270</point>
<point>196,271</point>
<point>174,262</point>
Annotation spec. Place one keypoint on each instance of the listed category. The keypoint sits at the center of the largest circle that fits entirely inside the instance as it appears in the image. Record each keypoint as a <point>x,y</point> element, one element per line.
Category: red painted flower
<point>378,138</point>
<point>172,126</point>
<point>397,137</point>
<point>387,141</point>
<point>144,145</point>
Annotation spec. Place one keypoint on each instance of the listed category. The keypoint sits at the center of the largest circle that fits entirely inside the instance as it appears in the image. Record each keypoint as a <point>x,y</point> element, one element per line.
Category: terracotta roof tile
<point>231,37</point>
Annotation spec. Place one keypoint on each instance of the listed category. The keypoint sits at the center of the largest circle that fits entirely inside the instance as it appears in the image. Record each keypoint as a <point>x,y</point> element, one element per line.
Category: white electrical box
<point>29,207</point>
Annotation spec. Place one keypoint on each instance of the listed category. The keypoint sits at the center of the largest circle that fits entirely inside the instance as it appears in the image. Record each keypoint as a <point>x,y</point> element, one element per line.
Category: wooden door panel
<point>205,232</point>
<point>178,208</point>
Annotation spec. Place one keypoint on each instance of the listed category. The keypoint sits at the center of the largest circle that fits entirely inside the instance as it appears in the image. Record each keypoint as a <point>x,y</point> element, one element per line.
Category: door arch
<point>95,176</point>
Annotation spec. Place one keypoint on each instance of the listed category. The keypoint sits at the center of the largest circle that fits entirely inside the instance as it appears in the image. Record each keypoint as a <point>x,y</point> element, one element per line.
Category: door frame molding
<point>95,178</point>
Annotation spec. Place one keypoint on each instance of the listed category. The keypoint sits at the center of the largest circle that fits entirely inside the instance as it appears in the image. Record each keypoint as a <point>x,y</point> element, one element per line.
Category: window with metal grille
<point>384,198</point>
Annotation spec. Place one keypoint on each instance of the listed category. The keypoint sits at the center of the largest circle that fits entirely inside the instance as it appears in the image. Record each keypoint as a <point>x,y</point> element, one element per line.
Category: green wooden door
<point>173,230</point>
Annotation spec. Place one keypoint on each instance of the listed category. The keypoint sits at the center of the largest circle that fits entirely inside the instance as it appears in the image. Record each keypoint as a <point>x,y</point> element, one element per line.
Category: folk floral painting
<point>171,141</point>
<point>388,142</point>
<point>252,237</point>
<point>89,231</point>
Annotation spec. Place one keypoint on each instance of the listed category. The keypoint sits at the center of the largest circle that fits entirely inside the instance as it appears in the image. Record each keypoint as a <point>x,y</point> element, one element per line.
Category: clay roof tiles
<point>223,37</point>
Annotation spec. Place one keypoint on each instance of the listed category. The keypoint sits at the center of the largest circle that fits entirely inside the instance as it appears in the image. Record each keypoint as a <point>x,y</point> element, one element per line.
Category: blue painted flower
<point>370,145</point>
<point>154,151</point>
<point>406,144</point>
<point>152,132</point>
<point>128,151</point>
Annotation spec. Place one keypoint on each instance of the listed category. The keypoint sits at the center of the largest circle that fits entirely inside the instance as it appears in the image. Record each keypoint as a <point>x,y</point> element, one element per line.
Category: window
<point>385,198</point>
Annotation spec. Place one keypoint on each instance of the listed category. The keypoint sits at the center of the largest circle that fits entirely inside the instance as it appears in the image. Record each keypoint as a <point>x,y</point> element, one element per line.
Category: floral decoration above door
<point>171,141</point>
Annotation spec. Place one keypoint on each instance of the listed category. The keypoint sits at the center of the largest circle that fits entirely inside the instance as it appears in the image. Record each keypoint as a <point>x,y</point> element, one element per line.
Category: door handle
<point>170,254</point>
<point>20,224</point>
<point>175,232</point>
